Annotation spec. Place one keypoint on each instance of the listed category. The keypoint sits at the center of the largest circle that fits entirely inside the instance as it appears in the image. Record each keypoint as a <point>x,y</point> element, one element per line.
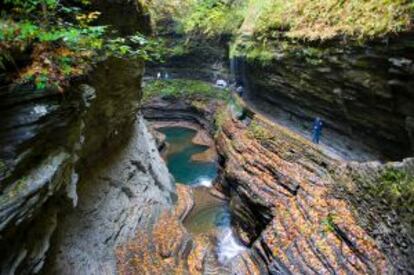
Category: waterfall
<point>228,246</point>
<point>207,182</point>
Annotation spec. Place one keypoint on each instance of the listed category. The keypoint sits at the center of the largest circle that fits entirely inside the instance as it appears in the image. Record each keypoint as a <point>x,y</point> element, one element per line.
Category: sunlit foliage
<point>325,19</point>
<point>185,89</point>
<point>58,41</point>
<point>299,19</point>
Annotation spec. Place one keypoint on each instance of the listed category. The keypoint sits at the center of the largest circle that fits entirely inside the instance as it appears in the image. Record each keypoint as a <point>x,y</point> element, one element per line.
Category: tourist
<point>159,75</point>
<point>240,90</point>
<point>317,130</point>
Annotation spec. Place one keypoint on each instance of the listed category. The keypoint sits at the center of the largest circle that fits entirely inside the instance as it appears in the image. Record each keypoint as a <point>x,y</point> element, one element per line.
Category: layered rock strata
<point>281,192</point>
<point>52,144</point>
<point>125,192</point>
<point>365,94</point>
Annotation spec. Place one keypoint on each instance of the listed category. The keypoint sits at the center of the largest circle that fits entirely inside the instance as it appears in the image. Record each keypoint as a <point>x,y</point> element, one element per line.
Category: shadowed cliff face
<point>52,150</point>
<point>365,94</point>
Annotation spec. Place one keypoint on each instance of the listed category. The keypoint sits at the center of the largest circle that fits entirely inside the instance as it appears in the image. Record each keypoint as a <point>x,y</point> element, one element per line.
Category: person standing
<point>317,130</point>
<point>240,91</point>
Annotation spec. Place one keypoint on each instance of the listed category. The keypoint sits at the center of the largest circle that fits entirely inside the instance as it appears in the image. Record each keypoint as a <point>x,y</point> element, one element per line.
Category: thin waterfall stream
<point>210,214</point>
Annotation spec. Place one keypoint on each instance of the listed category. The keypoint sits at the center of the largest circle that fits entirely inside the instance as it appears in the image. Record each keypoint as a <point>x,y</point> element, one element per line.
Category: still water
<point>179,161</point>
<point>210,215</point>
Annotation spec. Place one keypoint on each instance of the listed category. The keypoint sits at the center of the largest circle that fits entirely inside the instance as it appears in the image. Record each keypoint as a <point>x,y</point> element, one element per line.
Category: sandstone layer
<point>284,193</point>
<point>364,93</point>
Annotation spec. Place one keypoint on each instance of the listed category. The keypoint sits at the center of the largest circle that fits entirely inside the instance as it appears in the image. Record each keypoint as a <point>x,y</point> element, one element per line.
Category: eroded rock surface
<point>125,192</point>
<point>382,197</point>
<point>49,141</point>
<point>281,192</point>
<point>365,94</point>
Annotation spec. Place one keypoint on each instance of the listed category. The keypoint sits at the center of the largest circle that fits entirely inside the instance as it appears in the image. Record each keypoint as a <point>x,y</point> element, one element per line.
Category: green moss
<point>2,165</point>
<point>397,187</point>
<point>328,223</point>
<point>220,118</point>
<point>326,19</point>
<point>259,132</point>
<point>394,190</point>
<point>183,88</point>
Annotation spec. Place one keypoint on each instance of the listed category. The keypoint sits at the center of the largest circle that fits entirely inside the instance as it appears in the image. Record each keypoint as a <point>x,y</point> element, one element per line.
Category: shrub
<point>60,39</point>
<point>325,19</point>
<point>259,132</point>
<point>397,187</point>
<point>184,88</point>
<point>220,118</point>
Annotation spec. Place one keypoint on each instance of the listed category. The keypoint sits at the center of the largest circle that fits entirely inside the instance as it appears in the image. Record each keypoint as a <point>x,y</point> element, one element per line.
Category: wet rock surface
<point>168,248</point>
<point>294,205</point>
<point>363,93</point>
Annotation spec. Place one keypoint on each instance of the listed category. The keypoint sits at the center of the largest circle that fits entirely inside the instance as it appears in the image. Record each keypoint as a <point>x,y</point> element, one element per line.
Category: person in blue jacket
<point>317,130</point>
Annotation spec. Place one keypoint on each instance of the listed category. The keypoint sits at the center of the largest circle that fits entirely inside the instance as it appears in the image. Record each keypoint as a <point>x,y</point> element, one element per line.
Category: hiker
<point>159,75</point>
<point>317,130</point>
<point>167,76</point>
<point>240,90</point>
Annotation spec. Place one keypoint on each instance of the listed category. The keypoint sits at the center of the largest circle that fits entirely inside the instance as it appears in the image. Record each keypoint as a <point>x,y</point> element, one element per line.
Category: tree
<point>60,41</point>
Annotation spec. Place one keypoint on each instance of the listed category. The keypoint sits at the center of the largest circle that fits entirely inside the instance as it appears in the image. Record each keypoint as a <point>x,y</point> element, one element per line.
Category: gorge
<point>150,168</point>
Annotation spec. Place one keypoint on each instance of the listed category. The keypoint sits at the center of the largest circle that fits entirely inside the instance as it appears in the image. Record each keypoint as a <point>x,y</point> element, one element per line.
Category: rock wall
<point>179,110</point>
<point>285,206</point>
<point>124,193</point>
<point>365,94</point>
<point>52,150</point>
<point>200,59</point>
<point>385,211</point>
<point>286,203</point>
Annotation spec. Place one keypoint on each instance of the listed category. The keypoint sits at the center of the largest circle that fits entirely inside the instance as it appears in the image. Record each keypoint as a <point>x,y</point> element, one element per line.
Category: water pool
<point>210,215</point>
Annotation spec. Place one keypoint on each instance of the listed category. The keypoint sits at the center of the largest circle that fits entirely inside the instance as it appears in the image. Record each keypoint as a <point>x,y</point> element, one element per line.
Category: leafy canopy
<point>61,41</point>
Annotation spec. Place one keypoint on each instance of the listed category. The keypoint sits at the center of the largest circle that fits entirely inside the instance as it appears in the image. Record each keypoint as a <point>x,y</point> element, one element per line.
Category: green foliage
<point>136,46</point>
<point>62,40</point>
<point>253,51</point>
<point>220,118</point>
<point>328,223</point>
<point>179,50</point>
<point>394,191</point>
<point>183,88</point>
<point>325,19</point>
<point>397,187</point>
<point>206,17</point>
<point>259,132</point>
<point>302,19</point>
<point>213,17</point>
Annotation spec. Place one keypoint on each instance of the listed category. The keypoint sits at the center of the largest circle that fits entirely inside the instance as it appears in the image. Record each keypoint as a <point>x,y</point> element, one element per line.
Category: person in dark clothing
<point>317,130</point>
<point>240,91</point>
